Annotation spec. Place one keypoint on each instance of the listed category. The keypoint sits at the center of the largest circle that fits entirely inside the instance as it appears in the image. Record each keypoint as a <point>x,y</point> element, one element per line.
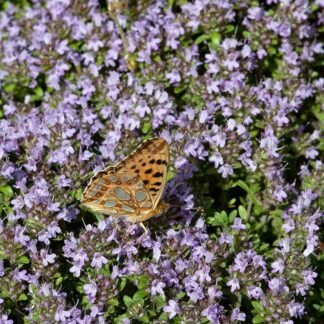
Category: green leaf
<point>264,247</point>
<point>272,50</point>
<point>146,127</point>
<point>170,175</point>
<point>100,217</point>
<point>179,89</point>
<point>232,215</point>
<point>248,190</point>
<point>159,301</point>
<point>163,318</point>
<point>39,92</point>
<point>201,39</point>
<point>242,212</point>
<point>143,282</point>
<point>246,34</point>
<point>9,87</point>
<point>122,283</point>
<point>257,306</point>
<point>219,219</point>
<point>145,319</point>
<point>78,194</point>
<point>128,301</point>
<point>170,3</point>
<point>242,185</point>
<point>215,38</point>
<point>22,297</point>
<point>258,319</point>
<point>59,281</point>
<point>141,294</point>
<point>230,28</point>
<point>113,301</point>
<point>180,295</point>
<point>6,190</point>
<point>23,260</point>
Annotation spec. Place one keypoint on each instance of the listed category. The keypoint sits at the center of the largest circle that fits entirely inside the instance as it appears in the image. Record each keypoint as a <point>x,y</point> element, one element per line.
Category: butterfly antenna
<point>84,224</point>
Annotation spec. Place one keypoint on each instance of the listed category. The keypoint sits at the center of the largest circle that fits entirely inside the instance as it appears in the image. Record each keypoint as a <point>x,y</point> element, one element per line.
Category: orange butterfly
<point>134,186</point>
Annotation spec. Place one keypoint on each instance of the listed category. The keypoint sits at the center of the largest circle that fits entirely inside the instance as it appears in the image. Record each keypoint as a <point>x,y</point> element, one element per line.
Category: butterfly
<point>133,187</point>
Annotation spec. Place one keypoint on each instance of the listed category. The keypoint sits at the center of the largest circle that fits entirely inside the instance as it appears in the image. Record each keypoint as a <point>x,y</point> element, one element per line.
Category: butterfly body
<point>133,187</point>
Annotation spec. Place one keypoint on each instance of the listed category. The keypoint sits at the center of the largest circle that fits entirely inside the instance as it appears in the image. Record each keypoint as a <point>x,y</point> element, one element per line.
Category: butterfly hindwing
<point>117,193</point>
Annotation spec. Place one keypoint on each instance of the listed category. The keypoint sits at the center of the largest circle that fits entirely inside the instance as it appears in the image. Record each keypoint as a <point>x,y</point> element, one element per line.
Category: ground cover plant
<point>235,88</point>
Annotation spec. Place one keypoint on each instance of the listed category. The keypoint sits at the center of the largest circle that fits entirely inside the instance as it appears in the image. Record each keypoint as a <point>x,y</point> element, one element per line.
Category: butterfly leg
<point>144,228</point>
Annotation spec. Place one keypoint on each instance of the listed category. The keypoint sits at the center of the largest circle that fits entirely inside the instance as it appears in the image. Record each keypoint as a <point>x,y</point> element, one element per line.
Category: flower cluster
<point>234,87</point>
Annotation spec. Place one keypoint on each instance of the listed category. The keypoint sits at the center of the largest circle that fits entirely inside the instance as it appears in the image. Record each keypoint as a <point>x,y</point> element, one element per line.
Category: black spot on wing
<point>154,190</point>
<point>148,171</point>
<point>157,175</point>
<point>152,161</point>
<point>146,182</point>
<point>157,184</point>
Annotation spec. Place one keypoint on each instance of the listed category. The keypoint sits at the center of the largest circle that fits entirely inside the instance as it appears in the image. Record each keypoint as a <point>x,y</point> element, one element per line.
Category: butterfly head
<point>162,208</point>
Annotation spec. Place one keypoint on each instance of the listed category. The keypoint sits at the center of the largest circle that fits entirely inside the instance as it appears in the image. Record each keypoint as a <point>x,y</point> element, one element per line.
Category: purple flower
<point>301,289</point>
<point>285,29</point>
<point>225,170</point>
<point>1,268</point>
<point>234,284</point>
<point>255,292</point>
<point>295,309</point>
<point>279,194</point>
<point>76,268</point>
<point>226,238</point>
<point>285,244</point>
<point>231,62</point>
<point>156,251</point>
<point>157,287</point>
<point>289,225</point>
<point>278,285</point>
<point>311,153</point>
<point>61,315</point>
<point>237,315</point>
<point>214,293</point>
<point>79,90</point>
<point>213,313</point>
<point>238,224</point>
<point>255,13</point>
<point>5,320</point>
<point>90,289</point>
<point>278,266</point>
<point>98,261</point>
<point>19,235</point>
<point>21,275</point>
<point>172,308</point>
<point>270,142</point>
<point>47,258</point>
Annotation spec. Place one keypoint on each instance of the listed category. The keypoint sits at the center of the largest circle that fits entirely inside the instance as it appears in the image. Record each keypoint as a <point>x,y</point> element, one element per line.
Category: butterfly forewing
<point>133,187</point>
<point>150,161</point>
